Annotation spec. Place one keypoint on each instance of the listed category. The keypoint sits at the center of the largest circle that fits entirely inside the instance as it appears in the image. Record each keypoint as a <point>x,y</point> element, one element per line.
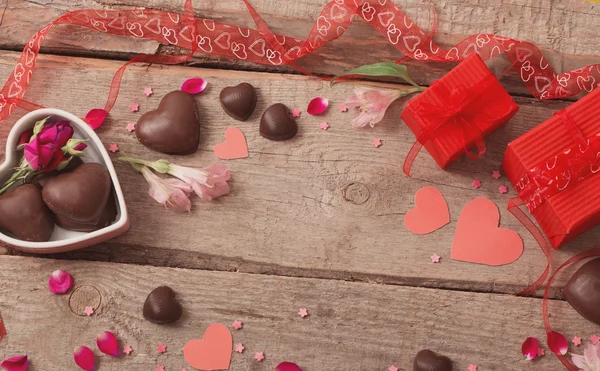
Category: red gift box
<point>457,111</point>
<point>552,167</point>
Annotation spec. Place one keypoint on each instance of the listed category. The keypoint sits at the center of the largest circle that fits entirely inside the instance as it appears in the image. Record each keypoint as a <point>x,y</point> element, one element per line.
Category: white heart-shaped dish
<point>63,240</point>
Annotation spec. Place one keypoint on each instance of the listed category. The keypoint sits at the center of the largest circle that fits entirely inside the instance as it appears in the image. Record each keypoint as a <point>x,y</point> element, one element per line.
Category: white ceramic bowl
<point>63,240</point>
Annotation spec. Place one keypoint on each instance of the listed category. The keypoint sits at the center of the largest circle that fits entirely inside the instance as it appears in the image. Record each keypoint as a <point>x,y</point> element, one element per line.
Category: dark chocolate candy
<point>24,214</point>
<point>239,101</point>
<point>161,306</point>
<point>582,291</point>
<point>173,127</point>
<point>277,123</point>
<point>107,216</point>
<point>80,195</point>
<point>426,360</point>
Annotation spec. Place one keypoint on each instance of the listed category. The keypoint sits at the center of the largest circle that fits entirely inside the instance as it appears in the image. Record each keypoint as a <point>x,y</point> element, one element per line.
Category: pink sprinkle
<point>540,352</point>
<point>237,324</point>
<point>134,107</point>
<point>392,368</point>
<point>127,349</point>
<point>503,189</point>
<point>130,127</point>
<point>88,311</point>
<point>342,107</point>
<point>324,125</point>
<point>148,91</point>
<point>595,339</point>
<point>435,258</point>
<point>161,348</point>
<point>472,367</point>
<point>376,142</point>
<point>476,184</point>
<point>239,348</point>
<point>576,341</point>
<point>160,368</point>
<point>113,148</point>
<point>296,113</point>
<point>496,174</point>
<point>60,282</point>
<point>303,312</point>
<point>259,356</point>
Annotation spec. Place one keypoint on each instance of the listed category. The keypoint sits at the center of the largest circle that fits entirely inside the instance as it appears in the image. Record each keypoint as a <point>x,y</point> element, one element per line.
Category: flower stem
<point>161,166</point>
<point>17,175</point>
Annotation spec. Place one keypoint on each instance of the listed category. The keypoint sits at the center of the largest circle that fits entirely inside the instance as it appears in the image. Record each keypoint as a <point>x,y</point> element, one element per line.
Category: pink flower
<point>372,105</point>
<point>172,193</point>
<point>45,151</point>
<point>25,137</point>
<point>590,360</point>
<point>208,183</point>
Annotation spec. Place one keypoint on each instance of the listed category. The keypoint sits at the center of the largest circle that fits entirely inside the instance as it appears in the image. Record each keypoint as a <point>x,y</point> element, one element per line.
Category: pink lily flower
<point>172,193</point>
<point>372,105</point>
<point>590,360</point>
<point>208,183</point>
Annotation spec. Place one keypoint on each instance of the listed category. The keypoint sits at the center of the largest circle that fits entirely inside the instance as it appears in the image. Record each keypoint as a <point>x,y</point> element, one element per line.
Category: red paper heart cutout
<point>478,239</point>
<point>234,146</point>
<point>430,213</point>
<point>213,352</point>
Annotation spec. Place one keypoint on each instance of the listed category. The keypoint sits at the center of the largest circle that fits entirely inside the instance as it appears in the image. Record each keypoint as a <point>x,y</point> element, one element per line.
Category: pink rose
<point>45,151</point>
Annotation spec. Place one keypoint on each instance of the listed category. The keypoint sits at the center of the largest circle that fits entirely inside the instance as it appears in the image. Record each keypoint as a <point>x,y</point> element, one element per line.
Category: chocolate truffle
<point>426,360</point>
<point>582,291</point>
<point>173,127</point>
<point>24,214</point>
<point>107,216</point>
<point>277,123</point>
<point>238,101</point>
<point>161,306</point>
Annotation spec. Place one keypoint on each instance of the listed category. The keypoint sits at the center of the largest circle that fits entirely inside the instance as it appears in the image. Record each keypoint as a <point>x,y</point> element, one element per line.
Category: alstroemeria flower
<point>172,193</point>
<point>208,183</point>
<point>372,105</point>
<point>45,151</point>
<point>590,360</point>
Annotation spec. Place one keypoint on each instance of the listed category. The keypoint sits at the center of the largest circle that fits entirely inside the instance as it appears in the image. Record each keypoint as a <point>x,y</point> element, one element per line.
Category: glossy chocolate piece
<point>277,123</point>
<point>426,360</point>
<point>582,291</point>
<point>24,214</point>
<point>107,217</point>
<point>161,306</point>
<point>239,101</point>
<point>80,195</point>
<point>174,127</point>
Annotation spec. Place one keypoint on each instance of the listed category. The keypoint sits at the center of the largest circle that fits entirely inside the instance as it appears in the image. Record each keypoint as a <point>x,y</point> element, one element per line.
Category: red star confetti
<point>595,339</point>
<point>160,368</point>
<point>237,324</point>
<point>342,107</point>
<point>324,125</point>
<point>303,312</point>
<point>148,91</point>
<point>472,367</point>
<point>496,174</point>
<point>127,349</point>
<point>576,341</point>
<point>161,348</point>
<point>392,368</point>
<point>88,311</point>
<point>130,127</point>
<point>376,142</point>
<point>113,148</point>
<point>476,184</point>
<point>296,113</point>
<point>134,107</point>
<point>239,348</point>
<point>540,352</point>
<point>435,258</point>
<point>259,356</point>
<point>503,189</point>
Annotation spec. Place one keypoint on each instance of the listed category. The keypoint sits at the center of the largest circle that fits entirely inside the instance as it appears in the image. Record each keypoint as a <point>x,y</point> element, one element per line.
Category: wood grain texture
<point>351,326</point>
<point>324,204</point>
<point>561,28</point>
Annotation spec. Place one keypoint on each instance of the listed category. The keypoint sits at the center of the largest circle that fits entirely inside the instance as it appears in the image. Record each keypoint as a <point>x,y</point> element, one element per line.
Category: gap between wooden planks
<point>564,30</point>
<point>351,326</point>
<point>325,204</point>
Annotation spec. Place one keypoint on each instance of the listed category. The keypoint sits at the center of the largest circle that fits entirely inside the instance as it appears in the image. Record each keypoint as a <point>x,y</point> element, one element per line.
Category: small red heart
<point>430,213</point>
<point>235,145</point>
<point>213,352</point>
<point>478,238</point>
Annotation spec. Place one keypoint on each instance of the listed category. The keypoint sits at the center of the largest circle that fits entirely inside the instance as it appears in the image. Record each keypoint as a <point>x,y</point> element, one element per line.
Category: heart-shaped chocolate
<point>582,291</point>
<point>173,127</point>
<point>277,123</point>
<point>426,360</point>
<point>107,216</point>
<point>239,101</point>
<point>80,195</point>
<point>161,306</point>
<point>24,213</point>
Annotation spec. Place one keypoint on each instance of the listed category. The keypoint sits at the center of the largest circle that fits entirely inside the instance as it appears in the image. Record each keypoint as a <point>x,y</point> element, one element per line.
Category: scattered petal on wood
<point>96,117</point>
<point>557,342</point>
<point>529,348</point>
<point>60,282</point>
<point>287,366</point>
<point>2,328</point>
<point>84,358</point>
<point>18,363</point>
<point>108,344</point>
<point>194,86</point>
<point>317,106</point>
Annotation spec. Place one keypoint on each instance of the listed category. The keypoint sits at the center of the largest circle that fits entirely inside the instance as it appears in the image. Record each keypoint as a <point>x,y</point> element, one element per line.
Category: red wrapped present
<point>552,168</point>
<point>456,112</point>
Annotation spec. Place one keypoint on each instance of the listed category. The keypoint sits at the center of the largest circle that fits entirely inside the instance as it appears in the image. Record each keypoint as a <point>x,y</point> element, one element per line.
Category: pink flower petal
<point>287,366</point>
<point>84,357</point>
<point>108,344</point>
<point>530,348</point>
<point>194,86</point>
<point>557,343</point>
<point>18,363</point>
<point>317,106</point>
<point>95,118</point>
<point>25,136</point>
<point>60,282</point>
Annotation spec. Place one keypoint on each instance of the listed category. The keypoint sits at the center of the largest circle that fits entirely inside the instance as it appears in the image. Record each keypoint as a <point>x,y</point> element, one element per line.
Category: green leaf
<point>39,126</point>
<point>380,69</point>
